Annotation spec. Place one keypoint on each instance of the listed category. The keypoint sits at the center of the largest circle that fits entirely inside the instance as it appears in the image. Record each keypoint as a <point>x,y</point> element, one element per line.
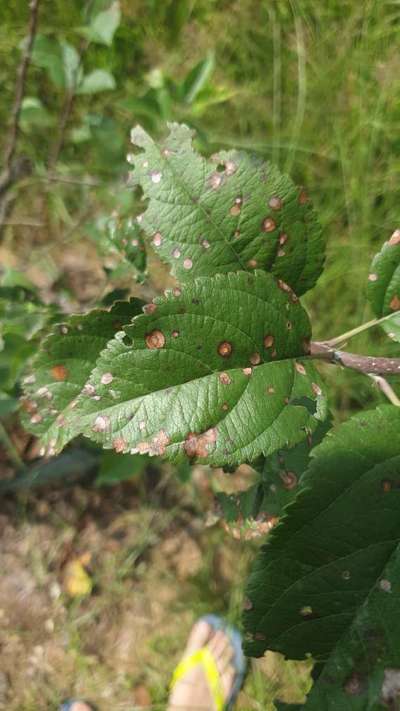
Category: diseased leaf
<point>283,472</point>
<point>384,285</point>
<point>210,374</point>
<point>62,367</point>
<point>328,581</point>
<point>257,510</point>
<point>363,670</point>
<point>232,212</point>
<point>121,236</point>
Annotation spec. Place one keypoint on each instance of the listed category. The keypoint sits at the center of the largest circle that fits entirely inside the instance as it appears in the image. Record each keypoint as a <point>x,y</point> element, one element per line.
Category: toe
<point>199,636</point>
<point>219,644</point>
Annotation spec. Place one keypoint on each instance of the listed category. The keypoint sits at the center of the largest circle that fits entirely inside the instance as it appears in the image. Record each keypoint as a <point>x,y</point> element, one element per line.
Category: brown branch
<point>368,365</point>
<point>11,144</point>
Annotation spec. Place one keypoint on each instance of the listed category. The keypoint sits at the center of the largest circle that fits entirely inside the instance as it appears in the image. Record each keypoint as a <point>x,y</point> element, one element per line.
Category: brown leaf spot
<point>247,604</point>
<point>353,685</point>
<point>225,349</point>
<point>306,345</point>
<point>395,303</point>
<point>268,341</point>
<point>316,389</point>
<point>285,287</point>
<point>149,308</point>
<point>270,390</point>
<point>395,238</point>
<point>372,277</point>
<point>303,197</point>
<point>225,379</point>
<point>175,334</point>
<point>156,446</point>
<point>268,225</point>
<point>275,203</point>
<point>157,239</point>
<point>247,371</point>
<point>306,611</point>
<point>252,263</point>
<point>187,264</point>
<point>119,444</point>
<point>106,378</point>
<point>289,480</point>
<point>230,167</point>
<point>385,585</point>
<point>255,359</point>
<point>101,423</point>
<point>386,486</point>
<point>215,180</point>
<point>59,372</point>
<point>300,368</point>
<point>155,339</point>
<point>235,209</point>
<point>391,687</point>
<point>199,445</point>
<point>283,238</point>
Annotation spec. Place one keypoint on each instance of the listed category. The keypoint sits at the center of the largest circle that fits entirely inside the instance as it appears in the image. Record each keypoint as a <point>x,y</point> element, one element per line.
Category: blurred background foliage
<point>313,86</point>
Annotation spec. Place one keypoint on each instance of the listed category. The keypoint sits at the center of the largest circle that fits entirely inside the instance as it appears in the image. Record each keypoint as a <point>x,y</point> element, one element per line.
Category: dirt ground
<point>99,588</point>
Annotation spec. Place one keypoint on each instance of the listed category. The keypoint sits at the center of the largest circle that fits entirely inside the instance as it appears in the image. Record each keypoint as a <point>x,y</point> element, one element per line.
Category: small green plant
<point>222,370</point>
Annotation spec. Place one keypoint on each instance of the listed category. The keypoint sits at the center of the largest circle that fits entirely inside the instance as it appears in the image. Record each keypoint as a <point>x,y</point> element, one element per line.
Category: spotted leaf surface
<point>216,373</point>
<point>231,212</point>
<point>363,670</point>
<point>61,368</point>
<point>327,583</point>
<point>384,285</point>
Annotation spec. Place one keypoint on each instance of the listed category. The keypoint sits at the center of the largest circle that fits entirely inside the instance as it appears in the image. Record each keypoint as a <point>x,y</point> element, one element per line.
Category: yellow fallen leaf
<point>77,582</point>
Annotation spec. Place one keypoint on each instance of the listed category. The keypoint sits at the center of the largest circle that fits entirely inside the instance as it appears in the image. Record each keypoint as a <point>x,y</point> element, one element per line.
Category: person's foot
<point>192,692</point>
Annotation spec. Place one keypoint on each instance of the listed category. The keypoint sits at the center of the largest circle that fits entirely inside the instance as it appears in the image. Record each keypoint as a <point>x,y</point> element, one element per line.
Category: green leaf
<point>119,467</point>
<point>21,313</point>
<point>71,65</point>
<point>69,467</point>
<point>96,81</point>
<point>232,212</point>
<point>104,25</point>
<point>8,404</point>
<point>47,54</point>
<point>283,472</point>
<point>34,114</point>
<point>197,79</point>
<point>117,235</point>
<point>61,369</point>
<point>281,480</point>
<point>208,373</point>
<point>363,670</point>
<point>384,285</point>
<point>328,581</point>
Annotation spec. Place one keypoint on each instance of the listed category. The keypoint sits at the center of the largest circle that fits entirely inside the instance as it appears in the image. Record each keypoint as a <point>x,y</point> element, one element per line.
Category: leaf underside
<point>216,373</point>
<point>228,213</point>
<point>61,368</point>
<point>384,285</point>
<point>328,582</point>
